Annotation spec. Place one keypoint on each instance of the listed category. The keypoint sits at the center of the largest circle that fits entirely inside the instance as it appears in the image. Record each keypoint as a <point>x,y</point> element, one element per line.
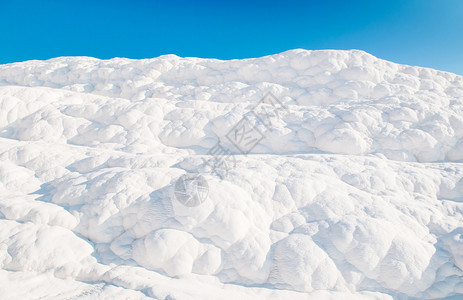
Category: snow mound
<point>354,191</point>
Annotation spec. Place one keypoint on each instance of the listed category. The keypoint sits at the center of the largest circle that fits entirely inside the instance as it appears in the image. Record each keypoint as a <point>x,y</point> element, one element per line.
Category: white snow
<point>356,192</point>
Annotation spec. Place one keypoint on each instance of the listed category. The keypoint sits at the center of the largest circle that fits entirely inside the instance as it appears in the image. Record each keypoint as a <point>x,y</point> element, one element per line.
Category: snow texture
<point>355,192</point>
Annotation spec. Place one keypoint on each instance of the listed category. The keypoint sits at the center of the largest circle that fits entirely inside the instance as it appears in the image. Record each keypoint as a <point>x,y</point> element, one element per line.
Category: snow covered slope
<point>354,192</point>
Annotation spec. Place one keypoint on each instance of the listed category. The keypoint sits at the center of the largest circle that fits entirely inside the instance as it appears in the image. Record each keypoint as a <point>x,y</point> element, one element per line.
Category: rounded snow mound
<point>342,102</point>
<point>352,186</point>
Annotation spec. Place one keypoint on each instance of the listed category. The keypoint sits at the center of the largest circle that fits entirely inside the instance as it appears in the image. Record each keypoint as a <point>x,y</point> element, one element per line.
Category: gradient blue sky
<point>416,32</point>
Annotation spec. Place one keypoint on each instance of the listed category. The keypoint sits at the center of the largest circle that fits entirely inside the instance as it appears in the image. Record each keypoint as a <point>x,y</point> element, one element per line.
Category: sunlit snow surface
<point>355,193</point>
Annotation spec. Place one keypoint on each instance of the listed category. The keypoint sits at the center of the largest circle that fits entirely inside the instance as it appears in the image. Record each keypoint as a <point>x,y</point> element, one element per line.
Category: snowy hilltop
<point>317,175</point>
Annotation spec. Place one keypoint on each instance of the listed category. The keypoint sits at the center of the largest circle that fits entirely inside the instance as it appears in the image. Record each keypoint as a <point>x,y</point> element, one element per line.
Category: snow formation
<point>356,192</point>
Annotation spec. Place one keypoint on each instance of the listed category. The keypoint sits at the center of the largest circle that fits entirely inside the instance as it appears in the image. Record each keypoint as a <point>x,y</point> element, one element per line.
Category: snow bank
<point>355,191</point>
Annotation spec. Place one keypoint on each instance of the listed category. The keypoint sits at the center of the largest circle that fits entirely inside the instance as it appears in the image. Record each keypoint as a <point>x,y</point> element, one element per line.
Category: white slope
<point>355,192</point>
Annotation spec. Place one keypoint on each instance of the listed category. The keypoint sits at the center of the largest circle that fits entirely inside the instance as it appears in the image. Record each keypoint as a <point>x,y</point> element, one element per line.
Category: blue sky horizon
<point>424,33</point>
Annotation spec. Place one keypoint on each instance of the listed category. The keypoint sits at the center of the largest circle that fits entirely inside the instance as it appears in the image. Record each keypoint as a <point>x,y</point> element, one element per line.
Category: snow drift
<point>355,193</point>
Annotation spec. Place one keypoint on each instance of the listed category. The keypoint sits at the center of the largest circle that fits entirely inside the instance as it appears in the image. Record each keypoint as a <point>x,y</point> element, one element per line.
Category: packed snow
<point>354,192</point>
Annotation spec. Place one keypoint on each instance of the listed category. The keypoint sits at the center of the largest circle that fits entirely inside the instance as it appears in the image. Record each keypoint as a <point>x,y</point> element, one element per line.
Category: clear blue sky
<point>417,32</point>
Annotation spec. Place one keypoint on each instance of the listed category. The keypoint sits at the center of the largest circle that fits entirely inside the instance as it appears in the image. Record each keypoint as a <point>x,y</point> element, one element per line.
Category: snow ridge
<point>357,191</point>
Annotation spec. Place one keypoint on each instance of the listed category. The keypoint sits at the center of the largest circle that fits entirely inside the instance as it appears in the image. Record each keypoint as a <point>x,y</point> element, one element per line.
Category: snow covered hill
<point>353,189</point>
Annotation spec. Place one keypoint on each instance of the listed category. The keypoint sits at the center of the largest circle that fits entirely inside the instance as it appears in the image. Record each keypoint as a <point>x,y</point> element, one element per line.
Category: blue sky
<point>416,32</point>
